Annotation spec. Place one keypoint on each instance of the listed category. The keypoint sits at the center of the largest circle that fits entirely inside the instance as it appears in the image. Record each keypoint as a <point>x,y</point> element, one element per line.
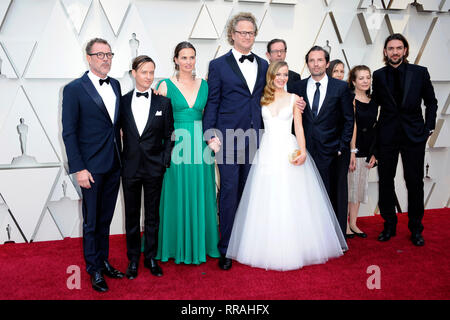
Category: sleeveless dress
<point>188,229</point>
<point>285,219</point>
<point>358,180</point>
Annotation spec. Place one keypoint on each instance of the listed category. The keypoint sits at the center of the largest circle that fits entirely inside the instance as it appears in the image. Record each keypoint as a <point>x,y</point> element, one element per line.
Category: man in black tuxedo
<point>399,89</point>
<point>147,125</point>
<point>276,51</point>
<point>90,119</point>
<point>328,127</point>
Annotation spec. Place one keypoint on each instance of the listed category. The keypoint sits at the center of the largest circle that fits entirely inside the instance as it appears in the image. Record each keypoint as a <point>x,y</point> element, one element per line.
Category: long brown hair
<point>396,36</point>
<point>269,90</point>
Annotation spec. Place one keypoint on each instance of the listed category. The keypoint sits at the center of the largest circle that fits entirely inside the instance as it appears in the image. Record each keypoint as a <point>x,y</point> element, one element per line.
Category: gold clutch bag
<point>294,155</point>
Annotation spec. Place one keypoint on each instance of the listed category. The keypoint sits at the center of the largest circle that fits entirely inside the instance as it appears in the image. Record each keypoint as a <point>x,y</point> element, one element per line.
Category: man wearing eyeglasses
<point>236,81</point>
<point>276,51</point>
<point>90,113</point>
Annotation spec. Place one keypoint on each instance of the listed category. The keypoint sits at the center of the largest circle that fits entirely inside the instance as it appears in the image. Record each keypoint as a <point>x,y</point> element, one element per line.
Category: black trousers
<point>99,203</point>
<point>413,155</point>
<point>333,171</point>
<point>132,190</point>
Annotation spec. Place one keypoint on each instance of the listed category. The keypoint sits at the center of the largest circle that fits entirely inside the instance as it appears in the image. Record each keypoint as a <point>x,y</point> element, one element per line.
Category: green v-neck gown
<point>188,229</point>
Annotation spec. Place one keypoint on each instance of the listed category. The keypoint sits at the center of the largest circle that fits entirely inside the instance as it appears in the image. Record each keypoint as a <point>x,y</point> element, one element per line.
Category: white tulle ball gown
<point>285,219</point>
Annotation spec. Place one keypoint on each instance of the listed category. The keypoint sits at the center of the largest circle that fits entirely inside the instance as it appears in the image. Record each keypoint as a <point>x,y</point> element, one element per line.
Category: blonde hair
<point>241,16</point>
<point>269,90</point>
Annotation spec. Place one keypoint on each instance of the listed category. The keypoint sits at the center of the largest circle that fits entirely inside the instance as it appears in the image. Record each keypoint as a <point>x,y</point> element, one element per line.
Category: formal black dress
<point>365,117</point>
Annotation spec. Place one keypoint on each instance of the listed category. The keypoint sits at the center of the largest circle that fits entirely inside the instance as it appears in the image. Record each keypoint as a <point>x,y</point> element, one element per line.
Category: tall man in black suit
<point>147,125</point>
<point>328,126</point>
<point>90,114</point>
<point>276,51</point>
<point>399,89</point>
<point>236,81</point>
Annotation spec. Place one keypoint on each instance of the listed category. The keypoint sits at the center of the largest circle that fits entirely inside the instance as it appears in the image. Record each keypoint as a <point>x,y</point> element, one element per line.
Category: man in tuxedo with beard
<point>399,88</point>
<point>90,119</point>
<point>328,127</point>
<point>147,125</point>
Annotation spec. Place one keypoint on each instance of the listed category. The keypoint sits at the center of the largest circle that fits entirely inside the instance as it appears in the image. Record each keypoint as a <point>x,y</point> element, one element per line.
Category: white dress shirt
<point>141,109</point>
<point>107,94</point>
<point>311,90</point>
<point>248,69</point>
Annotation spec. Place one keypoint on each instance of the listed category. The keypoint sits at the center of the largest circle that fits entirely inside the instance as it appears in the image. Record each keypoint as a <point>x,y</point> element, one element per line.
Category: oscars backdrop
<point>42,49</point>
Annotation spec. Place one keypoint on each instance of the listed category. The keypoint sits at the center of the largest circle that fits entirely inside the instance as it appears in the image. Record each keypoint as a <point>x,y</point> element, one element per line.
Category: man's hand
<point>214,144</point>
<point>300,104</point>
<point>84,178</point>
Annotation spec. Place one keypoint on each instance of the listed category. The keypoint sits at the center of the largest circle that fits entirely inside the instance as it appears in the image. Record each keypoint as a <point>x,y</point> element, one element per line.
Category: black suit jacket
<point>90,136</point>
<point>230,104</point>
<point>152,150</point>
<point>292,78</point>
<point>332,129</point>
<point>417,86</point>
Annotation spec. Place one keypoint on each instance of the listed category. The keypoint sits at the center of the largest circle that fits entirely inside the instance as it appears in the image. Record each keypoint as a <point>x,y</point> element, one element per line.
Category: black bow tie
<point>104,80</point>
<point>145,94</point>
<point>250,58</point>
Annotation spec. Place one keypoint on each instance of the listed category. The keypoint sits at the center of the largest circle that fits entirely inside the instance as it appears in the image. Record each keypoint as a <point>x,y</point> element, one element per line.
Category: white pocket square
<point>158,113</point>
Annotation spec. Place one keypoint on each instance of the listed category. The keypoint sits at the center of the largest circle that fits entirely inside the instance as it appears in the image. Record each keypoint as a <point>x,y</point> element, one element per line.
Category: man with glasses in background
<point>276,51</point>
<point>91,134</point>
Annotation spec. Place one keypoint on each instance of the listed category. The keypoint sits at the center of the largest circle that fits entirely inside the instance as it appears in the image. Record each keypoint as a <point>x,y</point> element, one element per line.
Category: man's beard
<point>395,62</point>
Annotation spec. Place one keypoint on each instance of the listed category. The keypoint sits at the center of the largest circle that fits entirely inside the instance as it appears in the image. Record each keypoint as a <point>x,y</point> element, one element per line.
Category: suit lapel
<point>234,66</point>
<point>90,89</point>
<point>118,95</point>
<point>259,77</point>
<point>153,103</point>
<point>329,91</point>
<point>129,111</point>
<point>386,87</point>
<point>408,80</point>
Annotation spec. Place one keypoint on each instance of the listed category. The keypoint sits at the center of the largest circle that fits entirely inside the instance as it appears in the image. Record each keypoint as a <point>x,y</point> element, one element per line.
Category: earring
<point>194,74</point>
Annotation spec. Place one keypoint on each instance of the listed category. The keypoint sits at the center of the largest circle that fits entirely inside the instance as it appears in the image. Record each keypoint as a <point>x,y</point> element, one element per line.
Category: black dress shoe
<point>155,269</point>
<point>349,235</point>
<point>98,282</point>
<point>225,263</point>
<point>132,270</point>
<point>417,239</point>
<point>359,234</point>
<point>109,271</point>
<point>385,235</point>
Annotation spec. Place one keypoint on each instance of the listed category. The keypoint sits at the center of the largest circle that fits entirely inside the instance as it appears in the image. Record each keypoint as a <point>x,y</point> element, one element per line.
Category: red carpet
<point>38,271</point>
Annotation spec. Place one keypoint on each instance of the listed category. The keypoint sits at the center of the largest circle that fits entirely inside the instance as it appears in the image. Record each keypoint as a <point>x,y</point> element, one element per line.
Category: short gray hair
<point>93,41</point>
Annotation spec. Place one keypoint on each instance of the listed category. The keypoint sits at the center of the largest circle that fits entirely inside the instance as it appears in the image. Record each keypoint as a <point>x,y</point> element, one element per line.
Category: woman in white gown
<point>285,219</point>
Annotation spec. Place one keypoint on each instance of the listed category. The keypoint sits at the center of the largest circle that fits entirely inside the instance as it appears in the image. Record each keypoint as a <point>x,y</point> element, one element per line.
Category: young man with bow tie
<point>90,114</point>
<point>147,126</point>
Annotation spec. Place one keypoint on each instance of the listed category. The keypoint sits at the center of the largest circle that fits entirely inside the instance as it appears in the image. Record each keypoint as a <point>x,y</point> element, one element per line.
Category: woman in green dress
<point>188,230</point>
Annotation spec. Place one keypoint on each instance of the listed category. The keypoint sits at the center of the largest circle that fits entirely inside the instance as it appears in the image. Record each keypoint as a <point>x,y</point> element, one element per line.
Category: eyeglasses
<point>246,33</point>
<point>278,51</point>
<point>102,55</point>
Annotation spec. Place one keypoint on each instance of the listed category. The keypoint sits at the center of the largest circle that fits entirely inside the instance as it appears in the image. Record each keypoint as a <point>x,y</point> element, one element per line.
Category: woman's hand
<point>372,162</point>
<point>352,166</point>
<point>300,159</point>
